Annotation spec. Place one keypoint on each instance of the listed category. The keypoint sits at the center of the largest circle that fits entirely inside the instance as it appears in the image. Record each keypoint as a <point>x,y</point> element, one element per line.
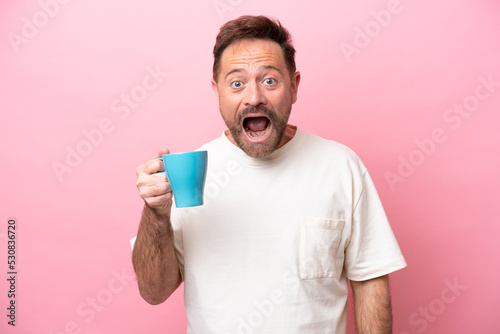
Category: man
<point>295,218</point>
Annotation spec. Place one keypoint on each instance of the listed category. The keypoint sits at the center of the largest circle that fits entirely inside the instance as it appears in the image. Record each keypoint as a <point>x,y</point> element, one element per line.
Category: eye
<point>236,84</point>
<point>269,81</point>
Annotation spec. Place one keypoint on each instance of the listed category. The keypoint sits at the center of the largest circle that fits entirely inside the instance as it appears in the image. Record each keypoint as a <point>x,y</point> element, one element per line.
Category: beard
<point>277,124</point>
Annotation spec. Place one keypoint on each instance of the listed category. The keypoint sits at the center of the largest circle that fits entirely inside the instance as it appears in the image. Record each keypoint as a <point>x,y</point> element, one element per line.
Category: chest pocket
<point>319,241</point>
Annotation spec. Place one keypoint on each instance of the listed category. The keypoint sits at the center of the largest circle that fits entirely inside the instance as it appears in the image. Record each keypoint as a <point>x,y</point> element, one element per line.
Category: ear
<point>295,86</point>
<point>215,89</point>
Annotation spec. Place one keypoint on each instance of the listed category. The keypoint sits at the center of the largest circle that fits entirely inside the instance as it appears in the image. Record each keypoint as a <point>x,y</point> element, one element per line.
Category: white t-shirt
<point>272,248</point>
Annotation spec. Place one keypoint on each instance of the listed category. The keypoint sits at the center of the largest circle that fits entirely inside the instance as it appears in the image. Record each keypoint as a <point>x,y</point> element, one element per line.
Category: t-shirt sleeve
<point>372,250</point>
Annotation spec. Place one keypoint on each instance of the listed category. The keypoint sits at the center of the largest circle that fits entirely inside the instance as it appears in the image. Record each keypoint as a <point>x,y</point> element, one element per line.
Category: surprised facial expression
<point>255,92</point>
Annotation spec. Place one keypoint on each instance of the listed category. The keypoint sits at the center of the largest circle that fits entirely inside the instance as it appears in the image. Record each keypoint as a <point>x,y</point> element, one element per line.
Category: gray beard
<point>258,150</point>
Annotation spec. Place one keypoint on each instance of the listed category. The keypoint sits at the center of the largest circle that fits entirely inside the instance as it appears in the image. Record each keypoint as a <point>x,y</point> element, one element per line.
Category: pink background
<point>61,80</point>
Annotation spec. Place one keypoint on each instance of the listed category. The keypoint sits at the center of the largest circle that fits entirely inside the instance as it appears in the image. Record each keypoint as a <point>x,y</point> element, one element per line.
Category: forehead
<point>254,52</point>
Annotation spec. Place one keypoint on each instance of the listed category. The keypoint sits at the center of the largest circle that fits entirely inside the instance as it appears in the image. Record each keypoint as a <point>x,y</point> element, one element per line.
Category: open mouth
<point>257,128</point>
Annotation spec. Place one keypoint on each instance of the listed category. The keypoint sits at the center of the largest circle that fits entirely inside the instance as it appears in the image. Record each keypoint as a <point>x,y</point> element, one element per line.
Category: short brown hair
<point>253,27</point>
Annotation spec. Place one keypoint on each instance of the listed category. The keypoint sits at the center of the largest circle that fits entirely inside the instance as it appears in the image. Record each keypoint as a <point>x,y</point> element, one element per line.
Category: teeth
<point>259,134</point>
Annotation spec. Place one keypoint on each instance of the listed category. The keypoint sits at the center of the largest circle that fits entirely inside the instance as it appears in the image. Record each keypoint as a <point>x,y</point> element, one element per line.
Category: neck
<point>290,132</point>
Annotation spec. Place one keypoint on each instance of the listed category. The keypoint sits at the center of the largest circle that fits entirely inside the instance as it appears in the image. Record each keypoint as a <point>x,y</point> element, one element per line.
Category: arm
<point>154,258</point>
<point>372,306</point>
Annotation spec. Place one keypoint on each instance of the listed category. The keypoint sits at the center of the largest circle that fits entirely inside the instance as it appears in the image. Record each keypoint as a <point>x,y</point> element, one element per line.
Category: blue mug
<point>186,173</point>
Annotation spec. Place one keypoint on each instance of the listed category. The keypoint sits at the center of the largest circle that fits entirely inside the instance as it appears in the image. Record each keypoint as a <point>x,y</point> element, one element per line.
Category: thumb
<point>163,151</point>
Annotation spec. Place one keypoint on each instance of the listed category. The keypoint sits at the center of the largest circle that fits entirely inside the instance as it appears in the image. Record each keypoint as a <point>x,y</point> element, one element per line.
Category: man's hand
<point>372,306</point>
<point>154,187</point>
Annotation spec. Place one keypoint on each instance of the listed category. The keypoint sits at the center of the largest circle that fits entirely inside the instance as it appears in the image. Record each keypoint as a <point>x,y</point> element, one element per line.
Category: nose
<point>254,95</point>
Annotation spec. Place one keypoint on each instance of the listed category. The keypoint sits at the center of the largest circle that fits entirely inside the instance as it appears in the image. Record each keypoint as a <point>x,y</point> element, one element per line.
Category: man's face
<point>255,93</point>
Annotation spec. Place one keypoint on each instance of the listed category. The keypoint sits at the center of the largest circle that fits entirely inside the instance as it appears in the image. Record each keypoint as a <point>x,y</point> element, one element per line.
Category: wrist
<point>159,219</point>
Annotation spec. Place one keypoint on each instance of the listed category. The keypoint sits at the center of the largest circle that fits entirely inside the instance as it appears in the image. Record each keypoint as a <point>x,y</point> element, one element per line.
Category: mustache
<point>259,109</point>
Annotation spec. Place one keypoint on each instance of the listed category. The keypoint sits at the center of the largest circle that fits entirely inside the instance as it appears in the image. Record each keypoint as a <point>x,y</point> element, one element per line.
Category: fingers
<point>154,187</point>
<point>150,167</point>
<point>159,202</point>
<point>163,151</point>
<point>160,154</point>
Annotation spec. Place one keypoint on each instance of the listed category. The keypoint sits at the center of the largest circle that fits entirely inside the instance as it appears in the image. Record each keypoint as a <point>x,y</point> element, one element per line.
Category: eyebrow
<point>234,70</point>
<point>266,67</point>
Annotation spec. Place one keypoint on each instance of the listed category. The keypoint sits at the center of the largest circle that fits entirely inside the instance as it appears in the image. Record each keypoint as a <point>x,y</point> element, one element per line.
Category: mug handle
<point>164,169</point>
